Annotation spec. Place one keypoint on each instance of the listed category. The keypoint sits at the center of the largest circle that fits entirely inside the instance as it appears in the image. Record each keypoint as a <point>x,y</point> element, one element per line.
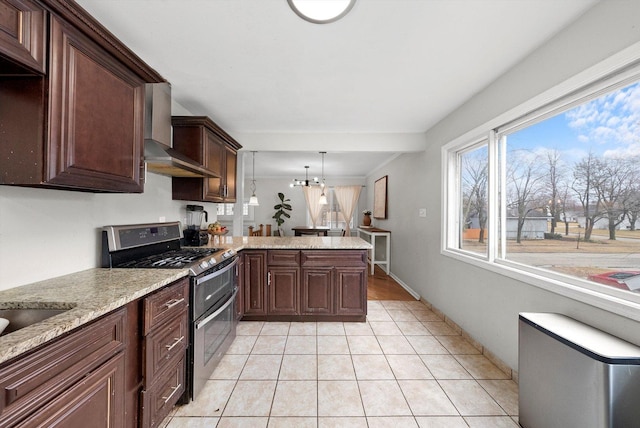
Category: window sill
<point>615,301</point>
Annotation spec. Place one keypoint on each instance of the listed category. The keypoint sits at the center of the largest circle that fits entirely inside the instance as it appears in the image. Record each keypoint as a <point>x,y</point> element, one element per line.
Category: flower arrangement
<point>366,212</point>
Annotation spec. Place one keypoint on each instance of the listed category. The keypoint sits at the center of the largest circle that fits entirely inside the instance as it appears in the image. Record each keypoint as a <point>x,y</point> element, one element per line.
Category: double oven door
<point>214,322</point>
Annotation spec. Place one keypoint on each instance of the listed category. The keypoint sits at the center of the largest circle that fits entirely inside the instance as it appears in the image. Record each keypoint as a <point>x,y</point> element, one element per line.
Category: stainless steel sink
<point>24,317</point>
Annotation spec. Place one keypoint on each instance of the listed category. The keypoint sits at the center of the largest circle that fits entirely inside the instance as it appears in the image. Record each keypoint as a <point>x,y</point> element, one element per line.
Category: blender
<point>193,236</point>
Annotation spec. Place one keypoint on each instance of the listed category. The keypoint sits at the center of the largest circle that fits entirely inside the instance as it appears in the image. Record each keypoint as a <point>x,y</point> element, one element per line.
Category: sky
<point>608,126</point>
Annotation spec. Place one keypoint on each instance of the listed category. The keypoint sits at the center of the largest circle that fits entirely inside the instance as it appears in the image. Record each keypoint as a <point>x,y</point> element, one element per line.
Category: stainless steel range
<point>213,283</point>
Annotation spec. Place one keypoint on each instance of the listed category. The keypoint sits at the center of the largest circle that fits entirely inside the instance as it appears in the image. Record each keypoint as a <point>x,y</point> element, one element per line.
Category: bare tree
<point>633,200</point>
<point>524,182</point>
<point>584,177</point>
<point>554,178</point>
<point>474,188</point>
<point>612,183</point>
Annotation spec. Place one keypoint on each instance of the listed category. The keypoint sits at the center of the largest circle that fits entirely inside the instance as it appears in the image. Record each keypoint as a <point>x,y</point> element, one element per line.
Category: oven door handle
<point>202,323</point>
<point>217,273</point>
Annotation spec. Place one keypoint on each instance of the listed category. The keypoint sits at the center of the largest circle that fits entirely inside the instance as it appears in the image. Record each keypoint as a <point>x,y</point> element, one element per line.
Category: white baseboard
<point>405,286</point>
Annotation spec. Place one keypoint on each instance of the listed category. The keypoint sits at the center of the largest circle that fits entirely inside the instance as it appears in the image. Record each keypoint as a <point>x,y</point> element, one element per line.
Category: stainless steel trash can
<point>573,375</point>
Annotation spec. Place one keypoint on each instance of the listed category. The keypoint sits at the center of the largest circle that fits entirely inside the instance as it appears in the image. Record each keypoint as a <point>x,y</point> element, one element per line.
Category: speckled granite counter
<point>92,293</point>
<point>290,242</point>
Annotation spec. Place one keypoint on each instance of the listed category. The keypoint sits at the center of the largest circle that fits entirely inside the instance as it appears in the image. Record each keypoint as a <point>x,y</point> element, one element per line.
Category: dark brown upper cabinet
<point>22,36</point>
<point>80,126</point>
<point>202,140</point>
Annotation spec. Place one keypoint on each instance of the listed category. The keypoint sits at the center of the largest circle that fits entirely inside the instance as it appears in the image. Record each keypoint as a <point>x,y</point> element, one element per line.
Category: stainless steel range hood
<point>159,156</point>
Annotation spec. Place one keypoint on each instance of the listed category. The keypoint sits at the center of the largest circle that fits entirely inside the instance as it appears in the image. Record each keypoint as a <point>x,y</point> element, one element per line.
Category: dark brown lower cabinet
<point>305,285</point>
<point>69,380</point>
<point>96,401</point>
<point>125,369</point>
<point>255,282</point>
<point>317,291</point>
<point>283,290</point>
<point>166,335</point>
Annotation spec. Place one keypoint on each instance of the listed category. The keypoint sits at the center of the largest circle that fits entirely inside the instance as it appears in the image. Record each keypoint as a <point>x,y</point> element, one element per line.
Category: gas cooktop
<point>157,246</point>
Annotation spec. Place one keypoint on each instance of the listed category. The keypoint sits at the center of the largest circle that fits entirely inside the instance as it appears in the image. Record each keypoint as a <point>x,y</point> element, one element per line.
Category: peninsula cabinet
<point>283,289</point>
<point>202,140</point>
<point>69,381</point>
<point>254,283</point>
<point>307,285</point>
<point>78,125</point>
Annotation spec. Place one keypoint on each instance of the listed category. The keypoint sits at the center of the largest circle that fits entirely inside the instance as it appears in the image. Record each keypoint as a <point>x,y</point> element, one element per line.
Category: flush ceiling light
<point>253,200</point>
<point>321,11</point>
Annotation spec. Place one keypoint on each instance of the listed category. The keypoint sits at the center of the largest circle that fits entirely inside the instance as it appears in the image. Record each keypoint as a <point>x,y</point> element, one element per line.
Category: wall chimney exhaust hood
<point>159,155</point>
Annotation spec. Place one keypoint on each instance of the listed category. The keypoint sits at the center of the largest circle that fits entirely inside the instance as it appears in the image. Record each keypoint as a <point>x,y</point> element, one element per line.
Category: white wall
<point>267,192</point>
<point>487,304</point>
<point>46,233</point>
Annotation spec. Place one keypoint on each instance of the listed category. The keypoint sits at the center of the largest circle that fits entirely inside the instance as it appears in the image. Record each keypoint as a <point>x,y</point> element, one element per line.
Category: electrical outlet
<point>422,212</point>
<point>162,219</point>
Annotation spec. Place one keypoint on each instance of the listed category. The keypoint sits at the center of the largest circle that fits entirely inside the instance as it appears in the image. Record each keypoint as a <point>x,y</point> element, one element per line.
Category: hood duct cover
<point>159,156</point>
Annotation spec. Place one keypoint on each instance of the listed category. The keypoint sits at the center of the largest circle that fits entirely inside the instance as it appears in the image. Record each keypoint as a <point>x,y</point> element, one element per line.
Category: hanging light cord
<point>253,175</point>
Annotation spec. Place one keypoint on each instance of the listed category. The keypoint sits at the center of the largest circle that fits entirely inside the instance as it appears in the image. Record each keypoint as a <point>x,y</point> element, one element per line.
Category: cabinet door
<point>255,287</point>
<point>283,290</point>
<point>231,161</point>
<point>22,35</point>
<point>317,291</point>
<point>351,291</point>
<point>97,401</point>
<point>96,110</point>
<point>214,161</point>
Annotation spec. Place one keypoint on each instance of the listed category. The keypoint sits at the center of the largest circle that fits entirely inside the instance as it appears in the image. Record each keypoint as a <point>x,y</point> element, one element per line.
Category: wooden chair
<point>311,233</point>
<point>255,232</point>
<point>336,232</point>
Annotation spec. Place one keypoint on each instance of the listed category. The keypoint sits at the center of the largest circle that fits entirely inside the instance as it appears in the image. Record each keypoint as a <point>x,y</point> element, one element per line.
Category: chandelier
<point>306,182</point>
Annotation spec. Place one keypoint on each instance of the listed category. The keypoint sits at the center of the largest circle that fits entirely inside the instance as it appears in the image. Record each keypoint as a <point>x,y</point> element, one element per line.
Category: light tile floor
<point>404,367</point>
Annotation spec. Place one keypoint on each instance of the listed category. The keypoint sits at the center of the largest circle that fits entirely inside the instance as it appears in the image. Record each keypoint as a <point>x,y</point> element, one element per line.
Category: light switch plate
<point>422,212</point>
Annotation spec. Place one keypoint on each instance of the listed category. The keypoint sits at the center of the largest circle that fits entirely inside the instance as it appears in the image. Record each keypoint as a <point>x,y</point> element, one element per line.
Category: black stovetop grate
<point>174,259</point>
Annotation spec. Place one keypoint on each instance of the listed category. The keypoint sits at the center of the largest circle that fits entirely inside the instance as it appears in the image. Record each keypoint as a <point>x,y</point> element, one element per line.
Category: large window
<point>331,216</point>
<point>561,184</point>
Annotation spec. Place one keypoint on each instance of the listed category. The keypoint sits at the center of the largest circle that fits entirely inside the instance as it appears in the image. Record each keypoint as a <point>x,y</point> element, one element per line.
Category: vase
<point>366,220</point>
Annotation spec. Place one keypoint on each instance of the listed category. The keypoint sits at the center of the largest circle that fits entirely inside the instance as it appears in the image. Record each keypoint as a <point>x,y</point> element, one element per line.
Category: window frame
<point>616,71</point>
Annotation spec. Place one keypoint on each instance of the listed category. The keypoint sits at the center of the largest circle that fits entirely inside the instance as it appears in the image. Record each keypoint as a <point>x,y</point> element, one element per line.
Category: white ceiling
<point>389,66</point>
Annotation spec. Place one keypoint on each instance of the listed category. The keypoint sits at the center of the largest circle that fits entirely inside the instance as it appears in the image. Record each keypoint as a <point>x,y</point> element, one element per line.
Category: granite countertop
<point>92,293</point>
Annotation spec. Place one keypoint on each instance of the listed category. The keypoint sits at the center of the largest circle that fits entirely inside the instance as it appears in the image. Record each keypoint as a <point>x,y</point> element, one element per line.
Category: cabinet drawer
<point>328,258</point>
<point>283,258</point>
<point>39,377</point>
<point>165,345</point>
<point>165,304</point>
<point>158,400</point>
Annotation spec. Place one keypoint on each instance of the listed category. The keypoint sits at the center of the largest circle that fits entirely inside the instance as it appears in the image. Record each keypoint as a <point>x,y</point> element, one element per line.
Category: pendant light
<point>306,182</point>
<point>323,197</point>
<point>253,200</point>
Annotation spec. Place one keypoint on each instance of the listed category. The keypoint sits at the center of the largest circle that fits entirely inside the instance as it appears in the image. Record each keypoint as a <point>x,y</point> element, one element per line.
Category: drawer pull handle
<point>171,303</point>
<point>174,390</point>
<point>173,345</point>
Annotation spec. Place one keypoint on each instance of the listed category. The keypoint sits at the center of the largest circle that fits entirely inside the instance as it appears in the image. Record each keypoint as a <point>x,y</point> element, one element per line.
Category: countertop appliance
<point>193,236</point>
<point>213,287</point>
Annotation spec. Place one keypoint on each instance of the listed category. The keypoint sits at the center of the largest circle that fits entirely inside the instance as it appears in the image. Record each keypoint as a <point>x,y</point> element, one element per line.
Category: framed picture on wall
<point>380,198</point>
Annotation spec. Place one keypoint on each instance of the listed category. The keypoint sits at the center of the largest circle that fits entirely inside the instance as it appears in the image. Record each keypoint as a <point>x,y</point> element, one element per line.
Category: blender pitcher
<point>194,216</point>
<point>193,236</point>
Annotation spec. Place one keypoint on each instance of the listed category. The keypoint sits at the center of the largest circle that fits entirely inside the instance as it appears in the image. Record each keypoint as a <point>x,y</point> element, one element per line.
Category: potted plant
<point>366,220</point>
<point>281,212</point>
